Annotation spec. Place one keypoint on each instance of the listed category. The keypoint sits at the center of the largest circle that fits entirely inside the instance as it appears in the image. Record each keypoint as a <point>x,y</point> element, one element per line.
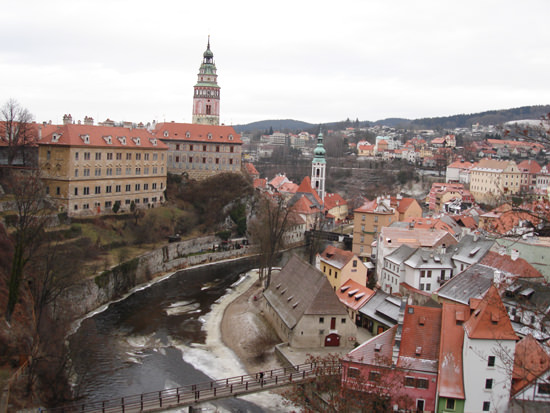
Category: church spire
<point>318,167</point>
<point>206,98</point>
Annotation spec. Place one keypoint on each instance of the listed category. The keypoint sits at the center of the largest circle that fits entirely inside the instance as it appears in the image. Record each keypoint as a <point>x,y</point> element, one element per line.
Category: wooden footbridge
<point>206,391</point>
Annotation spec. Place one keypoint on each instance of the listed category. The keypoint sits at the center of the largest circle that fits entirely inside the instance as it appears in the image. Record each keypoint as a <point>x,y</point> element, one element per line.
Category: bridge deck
<point>206,391</point>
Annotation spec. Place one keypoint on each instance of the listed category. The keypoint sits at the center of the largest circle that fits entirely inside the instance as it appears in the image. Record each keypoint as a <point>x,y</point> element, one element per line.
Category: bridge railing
<point>204,391</point>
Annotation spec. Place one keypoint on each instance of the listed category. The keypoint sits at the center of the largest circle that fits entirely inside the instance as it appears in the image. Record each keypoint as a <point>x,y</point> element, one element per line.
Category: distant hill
<point>492,117</point>
<point>276,125</point>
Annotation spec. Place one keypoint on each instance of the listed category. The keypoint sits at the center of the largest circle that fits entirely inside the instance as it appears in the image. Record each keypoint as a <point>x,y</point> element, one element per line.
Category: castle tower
<point>206,99</point>
<point>318,167</point>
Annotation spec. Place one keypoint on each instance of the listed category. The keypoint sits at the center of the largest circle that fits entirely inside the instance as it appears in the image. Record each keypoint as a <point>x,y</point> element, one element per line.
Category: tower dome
<point>319,150</point>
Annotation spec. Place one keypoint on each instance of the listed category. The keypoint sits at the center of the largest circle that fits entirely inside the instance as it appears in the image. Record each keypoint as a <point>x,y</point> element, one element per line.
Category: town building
<point>200,150</point>
<point>90,170</point>
<point>459,172</point>
<point>304,310</point>
<point>354,296</point>
<point>491,180</point>
<point>339,266</point>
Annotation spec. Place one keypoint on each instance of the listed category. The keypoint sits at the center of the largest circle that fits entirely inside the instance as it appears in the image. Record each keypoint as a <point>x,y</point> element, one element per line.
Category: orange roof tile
<point>333,200</point>
<point>490,320</point>
<point>530,362</point>
<point>102,136</point>
<point>306,188</point>
<point>518,267</point>
<point>353,294</point>
<point>450,377</point>
<point>197,133</point>
<point>336,257</point>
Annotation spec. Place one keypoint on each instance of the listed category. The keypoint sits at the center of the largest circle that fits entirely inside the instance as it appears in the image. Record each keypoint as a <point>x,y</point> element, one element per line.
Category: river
<point>149,340</point>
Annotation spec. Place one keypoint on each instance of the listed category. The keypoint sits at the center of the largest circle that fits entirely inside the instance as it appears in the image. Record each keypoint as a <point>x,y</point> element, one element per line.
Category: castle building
<point>89,170</point>
<point>206,98</point>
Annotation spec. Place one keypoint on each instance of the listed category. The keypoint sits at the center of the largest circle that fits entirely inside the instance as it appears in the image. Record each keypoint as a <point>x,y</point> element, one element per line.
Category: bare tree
<point>33,214</point>
<point>267,231</point>
<point>16,130</point>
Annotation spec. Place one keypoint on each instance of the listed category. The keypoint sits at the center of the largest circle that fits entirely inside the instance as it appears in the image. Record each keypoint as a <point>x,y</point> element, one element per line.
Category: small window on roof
<point>137,141</point>
<point>108,139</point>
<point>209,136</point>
<point>153,141</point>
<point>344,288</point>
<point>187,134</point>
<point>230,137</point>
<point>122,140</point>
<point>377,347</point>
<point>418,351</point>
<point>85,138</point>
<point>166,133</point>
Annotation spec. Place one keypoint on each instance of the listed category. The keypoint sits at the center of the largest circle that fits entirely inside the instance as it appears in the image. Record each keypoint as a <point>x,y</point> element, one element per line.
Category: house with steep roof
<point>491,179</point>
<point>89,169</point>
<point>336,206</point>
<point>529,169</point>
<point>403,360</point>
<point>354,296</point>
<point>530,377</point>
<point>339,266</point>
<point>469,250</point>
<point>304,310</point>
<point>489,342</point>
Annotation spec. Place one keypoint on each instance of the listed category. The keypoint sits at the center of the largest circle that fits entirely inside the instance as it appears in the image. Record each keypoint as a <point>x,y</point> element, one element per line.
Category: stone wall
<point>113,284</point>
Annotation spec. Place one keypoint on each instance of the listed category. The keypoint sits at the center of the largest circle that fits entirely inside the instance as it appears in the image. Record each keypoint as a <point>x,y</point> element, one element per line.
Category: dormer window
<point>153,141</point>
<point>187,134</point>
<point>137,141</point>
<point>209,136</point>
<point>108,140</point>
<point>122,140</point>
<point>85,138</point>
<point>230,137</point>
<point>166,133</point>
<point>55,137</point>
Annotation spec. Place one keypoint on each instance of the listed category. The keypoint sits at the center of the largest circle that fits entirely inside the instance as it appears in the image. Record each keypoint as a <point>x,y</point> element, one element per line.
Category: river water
<point>145,342</point>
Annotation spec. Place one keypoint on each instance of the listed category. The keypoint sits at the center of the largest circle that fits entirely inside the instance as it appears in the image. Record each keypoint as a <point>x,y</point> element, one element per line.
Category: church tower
<point>206,99</point>
<point>318,167</point>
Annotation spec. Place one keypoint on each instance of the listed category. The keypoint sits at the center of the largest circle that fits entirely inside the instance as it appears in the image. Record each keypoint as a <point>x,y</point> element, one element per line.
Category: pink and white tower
<point>206,99</point>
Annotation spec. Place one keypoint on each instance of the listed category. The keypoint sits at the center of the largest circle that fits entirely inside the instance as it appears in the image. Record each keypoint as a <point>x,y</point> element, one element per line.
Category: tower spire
<point>318,167</point>
<point>206,97</point>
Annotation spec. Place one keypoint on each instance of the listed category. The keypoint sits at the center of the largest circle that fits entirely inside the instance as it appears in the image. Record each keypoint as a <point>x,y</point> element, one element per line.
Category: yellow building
<point>89,169</point>
<point>491,180</point>
<point>340,266</point>
<point>372,216</point>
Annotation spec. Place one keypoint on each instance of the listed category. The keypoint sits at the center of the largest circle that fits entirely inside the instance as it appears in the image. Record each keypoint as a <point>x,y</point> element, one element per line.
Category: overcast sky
<point>315,61</point>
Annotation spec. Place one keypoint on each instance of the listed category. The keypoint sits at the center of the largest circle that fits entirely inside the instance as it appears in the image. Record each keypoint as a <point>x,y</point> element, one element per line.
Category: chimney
<point>89,121</point>
<point>514,254</point>
<point>67,119</point>
<point>497,277</point>
<point>39,132</point>
<point>397,343</point>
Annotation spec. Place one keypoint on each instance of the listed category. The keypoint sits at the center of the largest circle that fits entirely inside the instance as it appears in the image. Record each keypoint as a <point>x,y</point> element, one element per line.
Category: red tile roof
<point>530,362</point>
<point>490,319</point>
<point>518,267</point>
<point>353,294</point>
<point>304,206</point>
<point>98,136</point>
<point>450,377</point>
<point>197,133</point>
<point>333,200</point>
<point>251,169</point>
<point>529,166</point>
<point>336,257</point>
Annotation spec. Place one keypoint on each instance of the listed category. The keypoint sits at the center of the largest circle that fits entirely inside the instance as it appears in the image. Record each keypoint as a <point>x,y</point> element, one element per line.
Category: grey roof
<point>473,282</point>
<point>400,254</point>
<point>426,258</point>
<point>471,249</point>
<point>300,289</point>
<point>382,308</point>
<point>528,294</point>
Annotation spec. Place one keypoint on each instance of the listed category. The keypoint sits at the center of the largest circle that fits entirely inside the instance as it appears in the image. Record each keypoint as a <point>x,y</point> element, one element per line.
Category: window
<point>118,171</point>
<point>86,190</point>
<point>86,156</point>
<point>76,191</point>
<point>145,187</point>
<point>76,172</point>
<point>354,263</point>
<point>128,188</point>
<point>98,156</point>
<point>138,156</point>
<point>422,383</point>
<point>353,372</point>
<point>76,156</point>
<point>486,406</point>
<point>137,187</point>
<point>154,185</point>
<point>146,156</point>
<point>86,172</point>
<point>146,170</point>
<point>117,188</point>
<point>128,156</point>
<point>97,189</point>
<point>321,320</point>
<point>409,382</point>
<point>109,171</point>
<point>491,361</point>
<point>543,388</point>
<point>343,320</point>
<point>138,171</point>
<point>119,156</point>
<point>374,376</point>
<point>108,189</point>
<point>450,405</point>
<point>128,171</point>
<point>488,384</point>
<point>110,156</point>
